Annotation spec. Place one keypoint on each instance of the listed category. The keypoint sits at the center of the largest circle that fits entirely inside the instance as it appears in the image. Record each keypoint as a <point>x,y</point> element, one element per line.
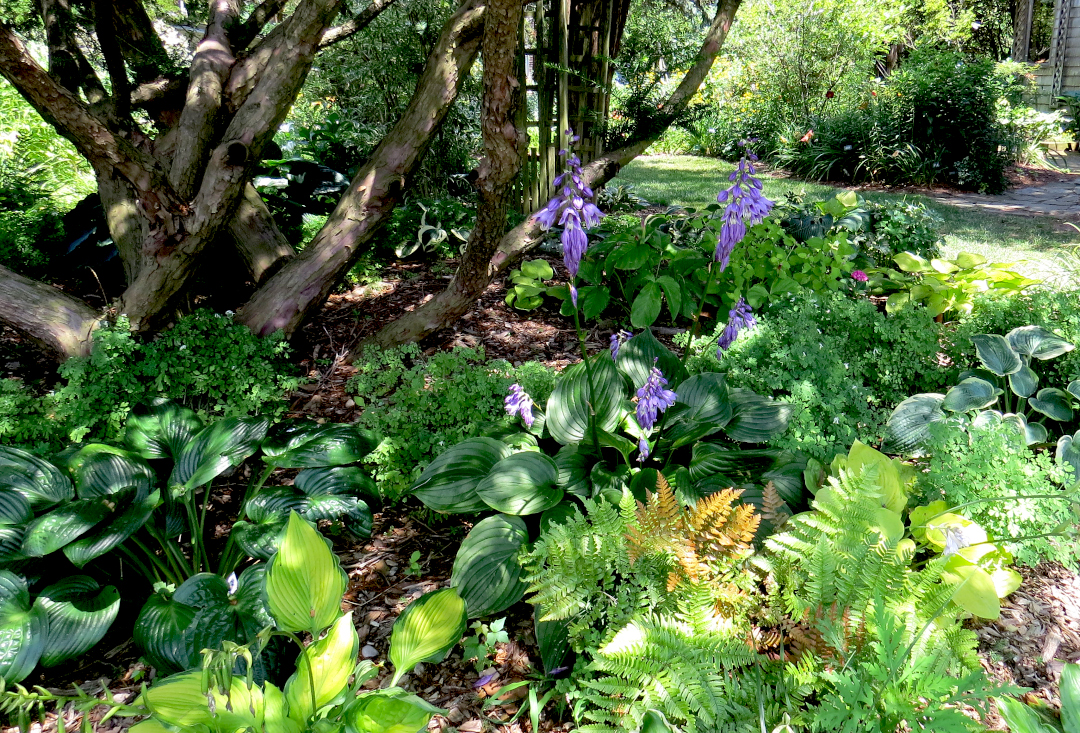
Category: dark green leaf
<point>131,513</point>
<point>995,354</point>
<point>971,394</point>
<point>568,408</point>
<point>524,483</point>
<point>646,307</point>
<point>217,448</point>
<point>79,612</point>
<point>267,514</point>
<point>161,430</point>
<point>51,531</point>
<point>14,508</point>
<point>102,470</point>
<point>486,570</point>
<point>553,640</point>
<point>756,419</point>
<point>448,484</point>
<point>160,631</point>
<point>305,444</point>
<point>23,629</point>
<point>640,354</point>
<point>42,483</point>
<point>559,514</point>
<point>673,293</point>
<point>707,396</point>
<point>334,494</point>
<point>574,465</point>
<point>593,299</point>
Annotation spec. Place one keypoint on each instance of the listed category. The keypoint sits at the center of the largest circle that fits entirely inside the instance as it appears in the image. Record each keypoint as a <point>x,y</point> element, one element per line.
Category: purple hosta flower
<point>739,318</point>
<point>484,680</point>
<point>653,398</point>
<point>617,340</point>
<point>643,449</point>
<point>518,402</point>
<point>745,204</point>
<point>858,276</point>
<point>955,540</point>
<point>573,211</point>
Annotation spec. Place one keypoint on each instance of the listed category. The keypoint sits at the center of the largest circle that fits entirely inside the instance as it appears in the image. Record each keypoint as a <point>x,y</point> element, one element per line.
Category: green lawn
<point>1034,243</point>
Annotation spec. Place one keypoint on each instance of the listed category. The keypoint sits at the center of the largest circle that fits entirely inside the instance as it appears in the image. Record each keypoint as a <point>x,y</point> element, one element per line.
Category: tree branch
<point>139,42</point>
<point>243,34</point>
<point>67,63</point>
<point>303,284</point>
<point>261,245</point>
<point>105,25</point>
<point>49,316</point>
<point>356,24</point>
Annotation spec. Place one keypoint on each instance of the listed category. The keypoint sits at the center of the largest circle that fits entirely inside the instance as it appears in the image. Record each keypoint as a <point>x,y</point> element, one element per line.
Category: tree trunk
<point>305,282</point>
<point>503,145</point>
<point>50,317</point>
<point>452,303</point>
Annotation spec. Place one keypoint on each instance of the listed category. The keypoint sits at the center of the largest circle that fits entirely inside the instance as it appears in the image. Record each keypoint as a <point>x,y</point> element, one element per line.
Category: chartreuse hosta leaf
<point>181,703</point>
<point>427,630</point>
<point>23,629</point>
<point>80,612</point>
<point>389,711</point>
<point>1070,698</point>
<point>161,430</point>
<point>304,582</point>
<point>330,661</point>
<point>305,444</point>
<point>42,483</point>
<point>486,570</point>
<point>1022,718</point>
<point>217,448</point>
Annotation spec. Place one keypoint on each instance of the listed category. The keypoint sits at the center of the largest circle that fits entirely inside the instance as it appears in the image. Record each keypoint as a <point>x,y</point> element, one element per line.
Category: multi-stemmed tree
<point>179,186</point>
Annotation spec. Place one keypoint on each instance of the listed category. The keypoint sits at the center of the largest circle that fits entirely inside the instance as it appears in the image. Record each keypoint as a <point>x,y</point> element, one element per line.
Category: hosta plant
<point>303,592</point>
<point>1040,718</point>
<point>1004,390</point>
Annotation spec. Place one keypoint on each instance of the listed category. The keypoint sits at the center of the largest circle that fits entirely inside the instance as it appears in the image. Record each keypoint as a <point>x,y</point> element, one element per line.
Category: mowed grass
<point>1035,244</point>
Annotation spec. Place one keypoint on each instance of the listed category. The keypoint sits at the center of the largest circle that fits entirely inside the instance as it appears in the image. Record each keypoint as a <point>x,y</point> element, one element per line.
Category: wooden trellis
<point>565,62</point>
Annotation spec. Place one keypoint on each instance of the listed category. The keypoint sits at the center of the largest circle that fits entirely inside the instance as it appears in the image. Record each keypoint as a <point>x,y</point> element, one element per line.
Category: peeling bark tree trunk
<point>452,303</point>
<point>54,319</point>
<point>503,145</point>
<point>305,282</point>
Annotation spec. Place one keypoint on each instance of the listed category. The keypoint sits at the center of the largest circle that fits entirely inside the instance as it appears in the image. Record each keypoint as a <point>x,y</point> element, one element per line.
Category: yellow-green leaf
<point>427,630</point>
<point>330,661</point>
<point>304,582</point>
<point>383,713</point>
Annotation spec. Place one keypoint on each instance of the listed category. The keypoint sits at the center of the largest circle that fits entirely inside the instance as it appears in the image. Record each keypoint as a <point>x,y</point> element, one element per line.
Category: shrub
<point>841,361</point>
<point>25,418</point>
<point>205,361</point>
<point>428,403</point>
<point>992,467</point>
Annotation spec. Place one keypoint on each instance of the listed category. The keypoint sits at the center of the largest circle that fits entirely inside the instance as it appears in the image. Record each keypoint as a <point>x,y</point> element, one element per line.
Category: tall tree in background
<point>174,190</point>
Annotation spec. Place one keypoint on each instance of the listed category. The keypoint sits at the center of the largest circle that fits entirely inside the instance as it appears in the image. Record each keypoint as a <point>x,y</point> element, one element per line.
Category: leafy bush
<point>993,468</point>
<point>840,362</point>
<point>425,404</point>
<point>24,418</point>
<point>205,361</point>
<point>25,237</point>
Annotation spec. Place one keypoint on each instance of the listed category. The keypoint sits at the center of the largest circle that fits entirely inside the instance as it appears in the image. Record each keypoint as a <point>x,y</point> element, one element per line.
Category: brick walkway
<point>1053,198</point>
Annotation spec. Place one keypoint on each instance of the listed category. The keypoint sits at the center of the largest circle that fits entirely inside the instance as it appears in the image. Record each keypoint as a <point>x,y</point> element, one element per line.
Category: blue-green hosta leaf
<point>306,444</point>
<point>304,581</point>
<point>14,508</point>
<point>328,663</point>
<point>334,494</point>
<point>1024,382</point>
<point>996,354</point>
<point>574,465</point>
<point>23,629</point>
<point>908,426</point>
<point>1030,433</point>
<point>1037,342</point>
<point>161,631</point>
<point>80,612</point>
<point>132,511</point>
<point>486,570</point>
<point>427,630</point>
<point>103,470</point>
<point>55,529</point>
<point>568,407</point>
<point>1074,388</point>
<point>217,448</point>
<point>388,711</point>
<point>448,484</point>
<point>42,483</point>
<point>971,394</point>
<point>987,419</point>
<point>524,483</point>
<point>161,429</point>
<point>1053,402</point>
<point>1068,451</point>
<point>756,419</point>
<point>641,353</point>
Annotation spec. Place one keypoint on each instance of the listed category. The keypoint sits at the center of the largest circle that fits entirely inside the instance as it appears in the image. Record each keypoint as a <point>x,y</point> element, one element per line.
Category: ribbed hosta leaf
<point>638,356</point>
<point>329,661</point>
<point>553,640</point>
<point>1074,388</point>
<point>42,483</point>
<point>707,397</point>
<point>1070,697</point>
<point>23,629</point>
<point>971,394</point>
<point>1031,433</point>
<point>524,483</point>
<point>574,465</point>
<point>756,419</point>
<point>305,444</point>
<point>1037,342</point>
<point>180,701</point>
<point>1054,403</point>
<point>80,612</point>
<point>217,448</point>
<point>569,404</point>
<point>1068,451</point>
<point>161,430</point>
<point>335,494</point>
<point>131,512</point>
<point>909,425</point>
<point>708,459</point>
<point>103,470</point>
<point>559,514</point>
<point>267,514</point>
<point>161,632</point>
<point>448,484</point>
<point>996,354</point>
<point>427,630</point>
<point>304,582</point>
<point>51,531</point>
<point>14,508</point>
<point>486,570</point>
<point>388,711</point>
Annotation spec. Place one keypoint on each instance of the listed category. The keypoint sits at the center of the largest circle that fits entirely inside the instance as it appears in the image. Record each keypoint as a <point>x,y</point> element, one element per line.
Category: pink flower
<point>858,276</point>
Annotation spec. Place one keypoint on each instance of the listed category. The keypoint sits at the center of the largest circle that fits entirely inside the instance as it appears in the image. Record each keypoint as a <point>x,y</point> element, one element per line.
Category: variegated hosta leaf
<point>1055,403</point>
<point>427,630</point>
<point>909,425</point>
<point>161,429</point>
<point>971,394</point>
<point>304,582</point>
<point>996,354</point>
<point>1037,342</point>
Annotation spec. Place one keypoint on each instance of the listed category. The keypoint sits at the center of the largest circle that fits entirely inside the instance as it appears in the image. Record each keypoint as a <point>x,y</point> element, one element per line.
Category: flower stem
<point>589,377</point>
<point>697,316</point>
